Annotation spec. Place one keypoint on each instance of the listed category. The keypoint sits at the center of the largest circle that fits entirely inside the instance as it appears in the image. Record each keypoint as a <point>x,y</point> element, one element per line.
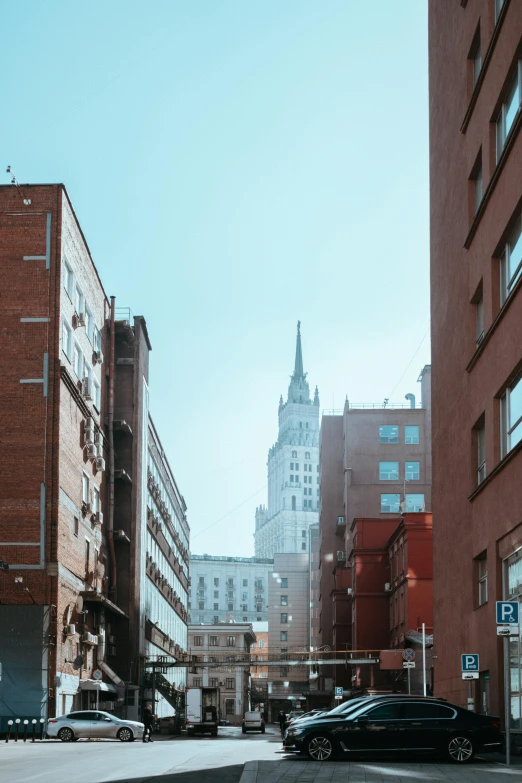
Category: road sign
<point>470,675</point>
<point>339,693</point>
<point>470,662</point>
<point>97,674</point>
<point>507,630</point>
<point>507,612</point>
<point>408,654</point>
<point>408,664</point>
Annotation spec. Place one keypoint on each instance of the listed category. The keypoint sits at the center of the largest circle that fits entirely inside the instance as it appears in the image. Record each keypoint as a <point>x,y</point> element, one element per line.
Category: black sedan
<point>398,725</point>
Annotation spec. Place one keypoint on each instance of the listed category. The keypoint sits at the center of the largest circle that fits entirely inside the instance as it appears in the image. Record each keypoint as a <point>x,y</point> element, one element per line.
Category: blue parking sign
<point>507,612</point>
<point>470,662</point>
<point>339,692</point>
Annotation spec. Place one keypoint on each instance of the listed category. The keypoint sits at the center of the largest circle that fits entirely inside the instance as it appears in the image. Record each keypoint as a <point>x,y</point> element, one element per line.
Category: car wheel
<point>460,749</point>
<point>66,734</point>
<point>125,735</point>
<point>320,748</point>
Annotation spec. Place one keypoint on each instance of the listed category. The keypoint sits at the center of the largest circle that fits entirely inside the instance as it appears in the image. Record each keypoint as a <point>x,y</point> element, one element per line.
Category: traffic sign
<point>507,630</point>
<point>470,662</point>
<point>97,674</point>
<point>507,612</point>
<point>408,664</point>
<point>408,654</point>
<point>339,693</point>
<point>470,675</point>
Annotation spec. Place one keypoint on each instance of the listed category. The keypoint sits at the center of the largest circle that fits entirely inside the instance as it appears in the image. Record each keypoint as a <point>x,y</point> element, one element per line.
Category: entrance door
<point>484,704</point>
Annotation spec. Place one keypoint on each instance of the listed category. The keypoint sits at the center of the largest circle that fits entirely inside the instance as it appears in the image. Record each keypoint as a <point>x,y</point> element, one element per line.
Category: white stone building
<point>293,471</point>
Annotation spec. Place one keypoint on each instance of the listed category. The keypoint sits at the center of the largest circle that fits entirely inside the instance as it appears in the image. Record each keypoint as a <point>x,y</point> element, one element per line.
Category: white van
<point>253,721</point>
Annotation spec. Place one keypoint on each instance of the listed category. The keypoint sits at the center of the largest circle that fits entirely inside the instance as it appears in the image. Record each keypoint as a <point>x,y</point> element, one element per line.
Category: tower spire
<point>298,368</point>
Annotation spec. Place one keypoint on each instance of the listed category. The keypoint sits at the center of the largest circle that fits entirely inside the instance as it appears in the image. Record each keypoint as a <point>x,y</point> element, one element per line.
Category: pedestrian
<point>282,722</point>
<point>148,720</point>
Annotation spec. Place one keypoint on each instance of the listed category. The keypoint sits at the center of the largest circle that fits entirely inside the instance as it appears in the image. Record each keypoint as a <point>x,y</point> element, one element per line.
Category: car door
<point>104,726</point>
<point>376,728</point>
<point>425,724</point>
<point>80,723</point>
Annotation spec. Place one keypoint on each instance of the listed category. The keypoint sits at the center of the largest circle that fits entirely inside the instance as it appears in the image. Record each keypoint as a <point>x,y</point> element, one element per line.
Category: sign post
<point>470,671</point>
<point>507,625</point>
<point>338,693</point>
<point>408,656</point>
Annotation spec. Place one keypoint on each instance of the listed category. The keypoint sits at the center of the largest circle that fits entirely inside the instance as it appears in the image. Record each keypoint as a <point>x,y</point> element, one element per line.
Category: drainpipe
<point>100,654</point>
<point>113,591</point>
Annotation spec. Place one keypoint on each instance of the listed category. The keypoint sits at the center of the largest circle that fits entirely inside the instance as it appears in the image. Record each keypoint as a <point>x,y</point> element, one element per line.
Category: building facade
<point>229,589</point>
<point>475,76</point>
<point>225,642</point>
<point>293,471</point>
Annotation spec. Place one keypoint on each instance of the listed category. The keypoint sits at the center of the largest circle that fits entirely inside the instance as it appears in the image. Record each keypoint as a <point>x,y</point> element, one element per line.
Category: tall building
<point>73,497</point>
<point>229,589</point>
<point>293,470</point>
<point>475,75</point>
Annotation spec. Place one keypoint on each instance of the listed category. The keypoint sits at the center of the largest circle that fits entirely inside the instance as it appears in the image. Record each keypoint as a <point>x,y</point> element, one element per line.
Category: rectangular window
<point>284,600</point>
<point>284,636</point>
<point>216,607</point>
<point>230,684</point>
<point>245,596</point>
<point>231,641</point>
<point>214,641</point>
<point>229,706</point>
<point>216,619</point>
<point>284,653</point>
<point>96,394</point>
<point>68,280</point>
<point>97,341</point>
<point>89,323</point>
<point>66,339</point>
<point>76,526</point>
<point>498,9</point>
<point>412,471</point>
<point>479,320</point>
<point>216,582</point>
<point>482,569</point>
<point>87,554</point>
<point>216,593</point>
<point>476,182</point>
<point>284,618</point>
<point>390,504</point>
<point>201,580</point>
<point>388,433</point>
<point>95,500</point>
<point>303,533</point>
<point>477,61</point>
<point>78,300</point>
<point>291,466</point>
<point>297,466</point>
<point>509,110</point>
<point>197,682</point>
<point>201,605</point>
<point>303,547</point>
<point>244,607</point>
<point>245,582</point>
<point>411,434</point>
<point>85,488</point>
<point>481,452</point>
<point>283,671</point>
<point>261,642</point>
<point>388,471</point>
<point>284,581</point>
<point>198,641</point>
<point>415,502</point>
<point>511,262</point>
<point>230,607</point>
<point>78,361</point>
<point>511,416</point>
<point>213,682</point>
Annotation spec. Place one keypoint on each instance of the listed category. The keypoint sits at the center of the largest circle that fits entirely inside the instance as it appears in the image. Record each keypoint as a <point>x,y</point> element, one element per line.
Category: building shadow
<point>230,774</point>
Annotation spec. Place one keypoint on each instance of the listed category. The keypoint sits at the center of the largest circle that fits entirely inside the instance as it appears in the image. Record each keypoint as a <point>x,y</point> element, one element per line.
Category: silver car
<point>95,724</point>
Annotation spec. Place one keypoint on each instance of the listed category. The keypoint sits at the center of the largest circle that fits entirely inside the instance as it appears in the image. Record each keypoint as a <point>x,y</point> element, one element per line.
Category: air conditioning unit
<point>97,437</point>
<point>80,318</point>
<point>91,450</point>
<point>100,463</point>
<point>70,630</point>
<point>387,587</point>
<point>98,518</point>
<point>89,638</point>
<point>340,520</point>
<point>97,357</point>
<point>88,431</point>
<point>99,449</point>
<point>341,555</point>
<point>87,388</point>
<point>86,507</point>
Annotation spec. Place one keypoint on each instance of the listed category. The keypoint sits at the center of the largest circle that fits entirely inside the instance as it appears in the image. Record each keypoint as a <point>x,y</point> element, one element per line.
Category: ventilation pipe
<point>411,398</point>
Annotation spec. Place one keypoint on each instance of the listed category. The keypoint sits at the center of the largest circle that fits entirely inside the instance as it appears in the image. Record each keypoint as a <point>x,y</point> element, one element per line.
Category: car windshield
<point>348,706</point>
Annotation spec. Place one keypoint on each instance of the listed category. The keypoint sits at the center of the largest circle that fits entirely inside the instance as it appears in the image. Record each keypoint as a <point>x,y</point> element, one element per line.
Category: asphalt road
<point>179,760</point>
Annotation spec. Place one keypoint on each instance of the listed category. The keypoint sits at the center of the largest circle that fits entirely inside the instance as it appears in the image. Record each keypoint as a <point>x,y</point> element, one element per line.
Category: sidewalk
<point>301,771</point>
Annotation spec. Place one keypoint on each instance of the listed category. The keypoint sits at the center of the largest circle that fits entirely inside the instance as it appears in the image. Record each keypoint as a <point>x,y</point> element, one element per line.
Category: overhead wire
<point>410,362</point>
<point>229,512</point>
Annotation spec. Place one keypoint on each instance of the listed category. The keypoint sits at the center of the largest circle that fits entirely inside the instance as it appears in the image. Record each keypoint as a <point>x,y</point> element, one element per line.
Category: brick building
<point>475,72</point>
<point>69,604</point>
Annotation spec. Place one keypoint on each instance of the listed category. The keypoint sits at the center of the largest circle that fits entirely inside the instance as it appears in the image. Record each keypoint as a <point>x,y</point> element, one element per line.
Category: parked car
<point>394,725</point>
<point>292,715</point>
<point>95,724</point>
<point>253,721</point>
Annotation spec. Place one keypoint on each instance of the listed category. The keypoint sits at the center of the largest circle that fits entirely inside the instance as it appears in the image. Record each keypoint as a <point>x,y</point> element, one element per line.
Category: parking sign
<point>470,662</point>
<point>338,693</point>
<point>507,612</point>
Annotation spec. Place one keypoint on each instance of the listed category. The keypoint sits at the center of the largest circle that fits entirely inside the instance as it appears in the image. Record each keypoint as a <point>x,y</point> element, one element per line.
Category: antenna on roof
<point>14,181</point>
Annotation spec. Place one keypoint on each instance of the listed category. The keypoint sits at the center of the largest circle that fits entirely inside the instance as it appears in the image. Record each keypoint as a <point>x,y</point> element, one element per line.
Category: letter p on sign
<point>470,663</point>
<point>507,612</point>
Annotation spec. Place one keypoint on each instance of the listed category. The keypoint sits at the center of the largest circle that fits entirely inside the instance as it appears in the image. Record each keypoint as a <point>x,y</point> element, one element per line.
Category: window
<point>385,712</point>
<point>284,581</point>
<point>284,636</point>
<point>216,607</point>
<point>229,706</point>
<point>213,682</point>
<point>283,671</point>
<point>68,279</point>
<point>511,262</point>
<point>482,574</point>
<point>303,547</point>
<point>509,110</point>
<point>214,641</point>
<point>85,488</point>
<point>388,433</point>
<point>197,682</point>
<point>307,455</point>
<point>284,653</point>
<point>415,502</point>
<point>245,596</point>
<point>390,504</point>
<point>95,500</point>
<point>216,619</point>
<point>198,641</point>
<point>78,300</point>
<point>96,394</point>
<point>230,683</point>
<point>87,554</point>
<point>284,617</point>
<point>297,468</point>
<point>230,608</point>
<point>291,478</point>
<point>66,339</point>
<point>231,641</point>
<point>201,605</point>
<point>475,58</point>
<point>479,319</point>
<point>411,433</point>
<point>201,580</point>
<point>97,339</point>
<point>291,466</point>
<point>388,471</point>
<point>417,710</point>
<point>244,607</point>
<point>77,361</point>
<point>261,642</point>
<point>412,471</point>
<point>511,416</point>
<point>284,600</point>
<point>216,582</point>
<point>89,323</point>
<point>216,593</point>
<point>293,502</point>
<point>76,527</point>
<point>498,9</point>
<point>481,452</point>
<point>259,619</point>
<point>245,582</point>
<point>303,533</point>
<point>294,453</point>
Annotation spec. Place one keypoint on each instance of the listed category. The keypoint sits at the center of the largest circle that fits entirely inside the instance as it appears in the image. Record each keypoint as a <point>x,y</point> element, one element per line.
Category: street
<point>229,758</point>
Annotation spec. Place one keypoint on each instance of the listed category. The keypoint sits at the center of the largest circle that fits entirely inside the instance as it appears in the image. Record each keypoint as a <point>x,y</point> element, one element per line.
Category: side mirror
<point>108,720</point>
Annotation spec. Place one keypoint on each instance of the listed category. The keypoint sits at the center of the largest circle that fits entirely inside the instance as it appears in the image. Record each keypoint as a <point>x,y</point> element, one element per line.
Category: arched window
<point>294,453</point>
<point>307,455</point>
<point>293,502</point>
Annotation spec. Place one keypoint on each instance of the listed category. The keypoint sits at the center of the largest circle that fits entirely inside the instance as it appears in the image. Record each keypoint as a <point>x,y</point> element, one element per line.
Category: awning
<point>96,685</point>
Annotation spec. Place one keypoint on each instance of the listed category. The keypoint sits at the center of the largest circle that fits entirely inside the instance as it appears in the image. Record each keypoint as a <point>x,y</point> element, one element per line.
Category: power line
<point>409,363</point>
<point>230,512</point>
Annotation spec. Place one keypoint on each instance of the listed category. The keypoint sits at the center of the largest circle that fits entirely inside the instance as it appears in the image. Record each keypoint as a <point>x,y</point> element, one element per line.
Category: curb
<point>249,774</point>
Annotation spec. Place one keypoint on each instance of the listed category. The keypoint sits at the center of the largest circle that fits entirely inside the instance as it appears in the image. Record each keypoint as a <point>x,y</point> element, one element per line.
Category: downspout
<point>100,654</point>
<point>113,591</point>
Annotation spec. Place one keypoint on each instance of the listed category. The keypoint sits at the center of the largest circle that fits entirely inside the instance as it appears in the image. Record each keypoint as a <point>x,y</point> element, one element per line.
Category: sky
<point>237,166</point>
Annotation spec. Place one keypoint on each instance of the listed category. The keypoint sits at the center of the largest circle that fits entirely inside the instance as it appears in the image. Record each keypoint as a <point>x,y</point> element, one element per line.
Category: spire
<point>298,369</point>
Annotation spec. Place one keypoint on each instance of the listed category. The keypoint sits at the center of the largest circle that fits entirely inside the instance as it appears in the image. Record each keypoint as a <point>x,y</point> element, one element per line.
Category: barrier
<point>17,723</point>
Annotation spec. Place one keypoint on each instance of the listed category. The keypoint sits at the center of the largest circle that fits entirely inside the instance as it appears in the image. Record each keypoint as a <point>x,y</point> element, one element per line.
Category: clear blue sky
<point>237,165</point>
